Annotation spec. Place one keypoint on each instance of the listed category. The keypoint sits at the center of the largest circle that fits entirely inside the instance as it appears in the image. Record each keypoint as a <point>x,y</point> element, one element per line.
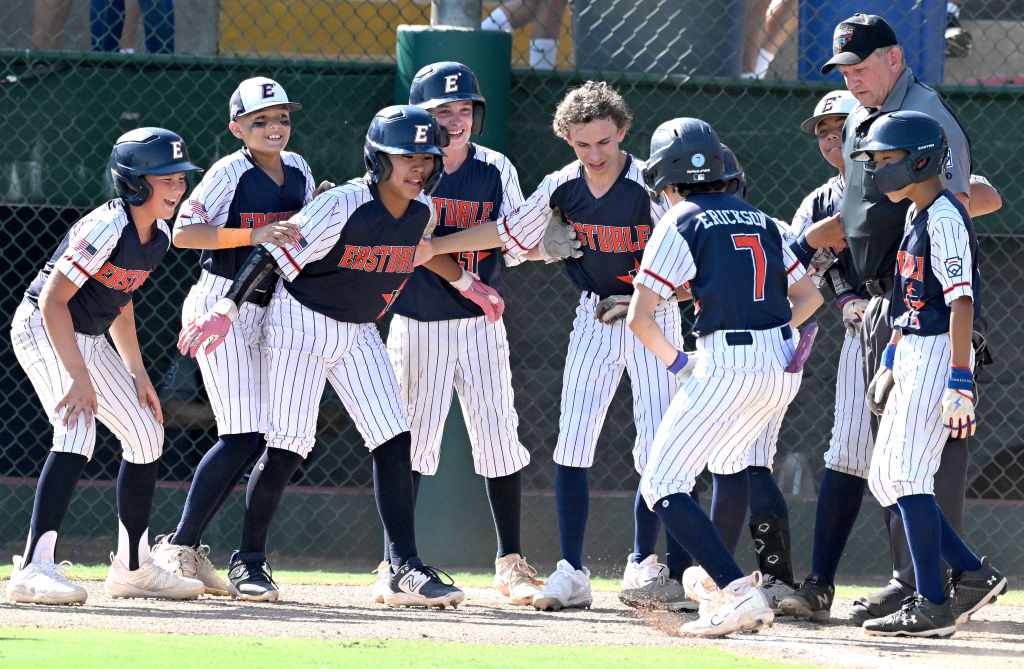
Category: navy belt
<point>746,338</point>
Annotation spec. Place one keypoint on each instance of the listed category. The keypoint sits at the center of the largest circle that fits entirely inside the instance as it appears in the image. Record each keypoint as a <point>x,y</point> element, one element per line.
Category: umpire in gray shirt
<point>870,59</point>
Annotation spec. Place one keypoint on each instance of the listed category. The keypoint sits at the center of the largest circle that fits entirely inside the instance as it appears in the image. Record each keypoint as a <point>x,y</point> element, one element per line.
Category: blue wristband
<point>680,362</point>
<point>889,355</point>
<point>802,250</point>
<point>960,378</point>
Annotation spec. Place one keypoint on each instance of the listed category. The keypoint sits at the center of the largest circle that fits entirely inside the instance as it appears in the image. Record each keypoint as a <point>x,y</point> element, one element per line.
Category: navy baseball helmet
<point>918,134</point>
<point>146,151</point>
<point>447,81</point>
<point>733,172</point>
<point>403,130</point>
<point>684,151</point>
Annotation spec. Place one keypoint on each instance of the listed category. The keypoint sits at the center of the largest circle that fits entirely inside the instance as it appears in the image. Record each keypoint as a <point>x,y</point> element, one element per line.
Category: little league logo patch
<point>954,267</point>
<point>842,37</point>
<point>698,160</point>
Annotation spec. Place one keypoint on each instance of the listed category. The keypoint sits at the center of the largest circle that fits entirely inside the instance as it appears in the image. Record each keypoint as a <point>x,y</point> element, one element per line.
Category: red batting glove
<point>480,294</point>
<point>209,330</point>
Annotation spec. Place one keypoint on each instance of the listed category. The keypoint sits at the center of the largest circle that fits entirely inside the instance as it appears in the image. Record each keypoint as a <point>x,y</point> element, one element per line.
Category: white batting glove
<point>559,241</point>
<point>480,294</point>
<point>882,383</point>
<point>853,308</point>
<point>209,330</point>
<point>612,309</point>
<point>958,402</point>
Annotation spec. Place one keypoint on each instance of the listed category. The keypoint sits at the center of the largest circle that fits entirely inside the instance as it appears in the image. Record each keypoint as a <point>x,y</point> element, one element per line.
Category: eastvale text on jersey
<point>713,217</point>
<point>388,259</point>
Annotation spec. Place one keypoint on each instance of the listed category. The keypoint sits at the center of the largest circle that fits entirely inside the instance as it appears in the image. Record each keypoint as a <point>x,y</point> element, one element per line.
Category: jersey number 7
<point>752,245</point>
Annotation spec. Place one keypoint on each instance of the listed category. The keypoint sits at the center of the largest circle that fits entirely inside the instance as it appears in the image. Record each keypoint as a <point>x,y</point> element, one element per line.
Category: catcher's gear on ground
<point>447,81</point>
<point>146,151</point>
<point>559,241</point>
<point>612,308</point>
<point>403,130</point>
<point>958,404</point>
<point>684,151</point>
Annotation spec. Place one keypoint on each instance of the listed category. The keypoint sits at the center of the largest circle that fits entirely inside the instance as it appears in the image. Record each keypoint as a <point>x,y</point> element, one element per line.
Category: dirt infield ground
<point>995,639</point>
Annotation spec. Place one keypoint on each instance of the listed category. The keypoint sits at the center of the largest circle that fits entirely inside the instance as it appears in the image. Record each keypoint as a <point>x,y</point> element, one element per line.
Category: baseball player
<point>82,293</point>
<point>447,332</point>
<point>737,267</point>
<point>848,458</point>
<point>602,197</point>
<point>354,254</point>
<point>926,379</point>
<point>244,200</point>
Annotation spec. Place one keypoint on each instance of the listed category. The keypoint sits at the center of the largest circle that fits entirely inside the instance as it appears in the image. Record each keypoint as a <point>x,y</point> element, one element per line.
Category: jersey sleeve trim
<point>660,278</point>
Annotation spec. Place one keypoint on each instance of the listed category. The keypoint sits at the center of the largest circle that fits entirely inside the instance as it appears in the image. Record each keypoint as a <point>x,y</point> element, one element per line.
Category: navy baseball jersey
<point>103,255</point>
<point>354,256</point>
<point>732,256</point>
<point>484,187</point>
<point>236,193</point>
<point>613,228</point>
<point>824,201</point>
<point>937,262</point>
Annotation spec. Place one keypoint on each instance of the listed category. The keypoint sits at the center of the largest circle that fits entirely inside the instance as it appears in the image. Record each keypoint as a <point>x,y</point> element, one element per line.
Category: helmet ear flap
<point>478,118</point>
<point>383,166</point>
<point>133,188</point>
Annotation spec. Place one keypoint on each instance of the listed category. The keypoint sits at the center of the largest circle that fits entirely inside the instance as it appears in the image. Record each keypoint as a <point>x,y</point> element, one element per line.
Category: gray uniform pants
<point>950,479</point>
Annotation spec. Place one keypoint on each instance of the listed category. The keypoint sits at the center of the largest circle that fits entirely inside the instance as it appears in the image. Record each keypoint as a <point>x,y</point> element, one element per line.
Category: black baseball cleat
<point>415,584</point>
<point>973,590</point>
<point>812,601</point>
<point>916,617</point>
<point>880,604</point>
<point>249,578</point>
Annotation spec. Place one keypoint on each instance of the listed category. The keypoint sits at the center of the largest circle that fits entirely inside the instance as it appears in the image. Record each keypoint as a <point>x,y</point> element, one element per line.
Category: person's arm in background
<point>984,199</point>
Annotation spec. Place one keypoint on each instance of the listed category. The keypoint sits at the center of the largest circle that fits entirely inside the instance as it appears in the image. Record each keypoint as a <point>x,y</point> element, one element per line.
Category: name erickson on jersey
<point>711,217</point>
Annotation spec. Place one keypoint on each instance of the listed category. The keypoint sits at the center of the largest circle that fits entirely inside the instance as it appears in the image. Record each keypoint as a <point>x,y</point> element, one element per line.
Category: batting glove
<point>683,364</point>
<point>480,294</point>
<point>958,402</point>
<point>852,308</point>
<point>209,330</point>
<point>612,309</point>
<point>881,384</point>
<point>559,241</point>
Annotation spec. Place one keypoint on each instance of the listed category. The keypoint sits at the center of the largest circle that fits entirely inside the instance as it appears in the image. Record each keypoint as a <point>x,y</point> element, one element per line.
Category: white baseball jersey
<point>936,264</point>
<point>735,262</point>
<point>236,193</point>
<point>348,269</point>
<point>102,255</point>
<point>438,340</point>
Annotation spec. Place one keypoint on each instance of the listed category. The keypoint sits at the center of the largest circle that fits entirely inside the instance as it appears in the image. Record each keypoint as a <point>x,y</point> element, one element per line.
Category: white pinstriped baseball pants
<point>729,400</point>
<point>598,354</point>
<point>470,355</point>
<point>117,402</point>
<point>306,349</point>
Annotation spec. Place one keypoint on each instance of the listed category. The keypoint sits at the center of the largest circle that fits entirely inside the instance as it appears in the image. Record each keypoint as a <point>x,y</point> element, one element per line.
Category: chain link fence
<point>74,75</point>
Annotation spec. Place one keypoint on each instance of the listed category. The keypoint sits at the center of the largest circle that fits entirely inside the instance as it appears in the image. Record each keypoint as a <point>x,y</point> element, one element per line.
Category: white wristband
<point>225,307</point>
<point>463,283</point>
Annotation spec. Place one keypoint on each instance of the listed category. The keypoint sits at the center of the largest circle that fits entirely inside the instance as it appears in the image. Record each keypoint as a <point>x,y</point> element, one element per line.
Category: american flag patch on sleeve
<point>83,248</point>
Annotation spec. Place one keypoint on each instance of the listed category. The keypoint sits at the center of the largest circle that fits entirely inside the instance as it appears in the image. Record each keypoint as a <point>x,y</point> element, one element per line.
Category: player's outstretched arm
<point>53,305</point>
<point>984,199</point>
<point>126,341</point>
<point>805,299</point>
<point>640,319</point>
<point>469,285</point>
<point>201,236</point>
<point>478,238</point>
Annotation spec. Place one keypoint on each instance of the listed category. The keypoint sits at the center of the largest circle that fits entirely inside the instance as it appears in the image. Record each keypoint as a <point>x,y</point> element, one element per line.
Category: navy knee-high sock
<point>954,551</point>
<point>921,521</point>
<point>687,522</point>
<point>769,525</point>
<point>677,559</point>
<point>839,503</point>
<point>269,478</point>
<point>645,529</point>
<point>395,492</point>
<point>766,499</point>
<point>729,496</point>
<point>505,494</point>
<point>136,485</point>
<point>218,472</point>
<point>54,489</point>
<point>572,503</point>
<point>416,478</point>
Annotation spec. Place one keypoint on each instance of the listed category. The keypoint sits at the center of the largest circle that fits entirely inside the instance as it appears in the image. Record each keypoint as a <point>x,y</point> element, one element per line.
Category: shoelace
<point>58,570</point>
<point>434,574</point>
<point>520,567</point>
<point>252,570</point>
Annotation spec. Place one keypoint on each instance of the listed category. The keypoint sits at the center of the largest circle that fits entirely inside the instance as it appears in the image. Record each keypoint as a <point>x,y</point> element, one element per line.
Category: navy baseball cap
<point>856,38</point>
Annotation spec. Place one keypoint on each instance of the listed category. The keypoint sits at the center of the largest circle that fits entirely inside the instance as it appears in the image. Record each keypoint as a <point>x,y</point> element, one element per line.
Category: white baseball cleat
<point>566,588</point>
<point>698,585</point>
<point>189,562</point>
<point>382,586</point>
<point>639,574</point>
<point>742,606</point>
<point>43,583</point>
<point>149,580</point>
<point>516,579</point>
